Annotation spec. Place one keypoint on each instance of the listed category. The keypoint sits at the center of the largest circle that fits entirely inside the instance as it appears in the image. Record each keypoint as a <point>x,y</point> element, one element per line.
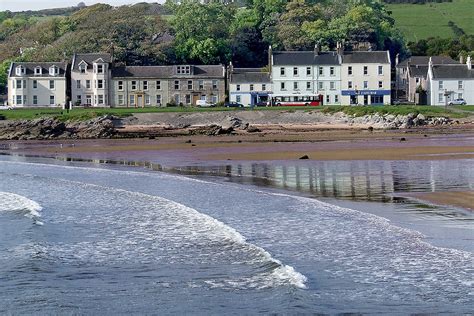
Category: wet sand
<point>462,199</point>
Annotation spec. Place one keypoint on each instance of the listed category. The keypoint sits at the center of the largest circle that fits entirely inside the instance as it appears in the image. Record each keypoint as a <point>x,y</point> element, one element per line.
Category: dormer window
<point>100,69</point>
<point>183,70</point>
<point>82,68</point>
<point>20,71</point>
<point>38,70</point>
<point>53,70</point>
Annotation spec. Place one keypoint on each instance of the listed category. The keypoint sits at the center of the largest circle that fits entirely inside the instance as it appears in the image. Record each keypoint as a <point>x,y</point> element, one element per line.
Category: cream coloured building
<point>37,84</point>
<point>249,86</point>
<point>90,79</point>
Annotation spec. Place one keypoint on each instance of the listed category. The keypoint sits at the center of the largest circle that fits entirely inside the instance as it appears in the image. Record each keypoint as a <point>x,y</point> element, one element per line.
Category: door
<point>140,100</point>
<point>366,99</point>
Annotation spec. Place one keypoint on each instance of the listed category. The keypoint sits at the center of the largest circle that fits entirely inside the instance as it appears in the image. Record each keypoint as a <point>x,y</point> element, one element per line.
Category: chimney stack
<point>461,59</point>
<point>270,58</point>
<point>316,49</point>
<point>339,48</point>
<point>397,59</point>
<point>469,63</point>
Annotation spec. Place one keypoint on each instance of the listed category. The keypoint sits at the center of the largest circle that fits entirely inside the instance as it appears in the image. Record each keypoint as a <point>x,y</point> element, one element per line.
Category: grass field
<point>85,114</point>
<point>419,21</point>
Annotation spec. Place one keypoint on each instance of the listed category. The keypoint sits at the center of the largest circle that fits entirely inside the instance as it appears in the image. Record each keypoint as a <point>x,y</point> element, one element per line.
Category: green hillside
<point>421,21</point>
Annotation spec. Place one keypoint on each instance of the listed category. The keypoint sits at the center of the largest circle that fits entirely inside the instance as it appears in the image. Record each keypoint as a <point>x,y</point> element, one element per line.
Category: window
<point>417,80</point>
<point>282,86</point>
<point>366,70</point>
<point>158,85</point>
<point>190,85</point>
<point>100,84</point>
<point>440,97</point>
<point>95,99</point>
<point>188,99</point>
<point>51,100</point>
<point>214,84</point>
<point>35,84</point>
<point>295,71</point>
<point>132,100</point>
<point>282,71</point>
<point>321,71</point>
<point>295,85</point>
<point>51,84</point>
<point>18,84</point>
<point>176,98</point>
<point>101,99</point>
<point>158,99</point>
<point>35,100</point>
<point>79,99</point>
<point>460,85</point>
<point>120,85</point>
<point>320,85</point>
<point>459,95</point>
<point>134,85</point>
<point>20,70</point>
<point>237,87</point>
<point>441,85</point>
<point>308,71</point>
<point>183,70</point>
<point>147,99</point>
<point>88,85</point>
<point>264,87</point>
<point>38,70</point>
<point>380,70</point>
<point>176,84</point>
<point>88,99</point>
<point>145,85</point>
<point>332,71</point>
<point>332,85</point>
<point>201,84</point>
<point>336,98</point>
<point>82,68</point>
<point>380,84</point>
<point>349,70</point>
<point>19,100</point>
<point>214,99</point>
<point>120,99</point>
<point>251,87</point>
<point>366,84</point>
<point>349,85</point>
<point>328,100</point>
<point>78,84</point>
<point>100,69</point>
<point>308,85</point>
<point>237,98</point>
<point>53,70</point>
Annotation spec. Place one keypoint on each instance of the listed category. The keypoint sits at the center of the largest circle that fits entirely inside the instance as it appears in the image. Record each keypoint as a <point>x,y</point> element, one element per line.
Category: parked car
<point>233,104</point>
<point>262,103</point>
<point>457,102</point>
<point>204,104</point>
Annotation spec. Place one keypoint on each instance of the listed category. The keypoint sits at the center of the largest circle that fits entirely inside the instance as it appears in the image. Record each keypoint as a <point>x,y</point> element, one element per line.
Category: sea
<point>242,239</point>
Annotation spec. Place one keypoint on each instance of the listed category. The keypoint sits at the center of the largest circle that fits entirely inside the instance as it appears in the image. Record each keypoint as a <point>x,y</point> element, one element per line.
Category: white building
<point>249,86</point>
<point>301,75</point>
<point>90,78</point>
<point>446,83</point>
<point>366,78</point>
<point>37,84</point>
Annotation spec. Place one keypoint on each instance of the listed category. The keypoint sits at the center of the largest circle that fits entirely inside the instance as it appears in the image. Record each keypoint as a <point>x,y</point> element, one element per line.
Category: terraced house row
<point>307,77</point>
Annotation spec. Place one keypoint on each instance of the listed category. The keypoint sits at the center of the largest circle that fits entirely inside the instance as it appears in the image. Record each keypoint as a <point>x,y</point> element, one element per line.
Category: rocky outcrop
<point>51,128</point>
<point>390,121</point>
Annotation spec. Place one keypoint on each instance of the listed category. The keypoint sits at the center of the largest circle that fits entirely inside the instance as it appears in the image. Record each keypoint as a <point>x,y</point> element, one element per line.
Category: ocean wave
<point>11,202</point>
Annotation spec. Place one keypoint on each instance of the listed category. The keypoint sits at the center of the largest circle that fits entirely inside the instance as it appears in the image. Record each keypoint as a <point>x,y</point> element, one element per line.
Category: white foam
<point>11,202</point>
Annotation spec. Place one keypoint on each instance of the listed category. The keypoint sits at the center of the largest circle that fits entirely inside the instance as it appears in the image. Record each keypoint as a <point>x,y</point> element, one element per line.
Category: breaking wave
<point>11,202</point>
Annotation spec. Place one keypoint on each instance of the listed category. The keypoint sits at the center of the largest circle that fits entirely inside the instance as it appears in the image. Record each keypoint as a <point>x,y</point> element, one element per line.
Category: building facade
<point>37,84</point>
<point>139,86</point>
<point>249,86</point>
<point>90,79</point>
<point>450,82</point>
<point>366,78</point>
<point>306,74</point>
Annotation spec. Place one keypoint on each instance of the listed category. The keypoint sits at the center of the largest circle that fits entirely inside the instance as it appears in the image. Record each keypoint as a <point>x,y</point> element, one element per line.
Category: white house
<point>90,78</point>
<point>366,78</point>
<point>446,83</point>
<point>306,75</point>
<point>249,86</point>
<point>37,84</point>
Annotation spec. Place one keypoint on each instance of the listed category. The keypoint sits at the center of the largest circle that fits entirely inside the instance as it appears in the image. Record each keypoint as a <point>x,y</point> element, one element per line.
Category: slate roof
<point>452,72</point>
<point>30,68</point>
<point>424,60</point>
<point>89,59</point>
<point>207,71</point>
<point>249,75</point>
<point>373,57</point>
<point>418,71</point>
<point>298,58</point>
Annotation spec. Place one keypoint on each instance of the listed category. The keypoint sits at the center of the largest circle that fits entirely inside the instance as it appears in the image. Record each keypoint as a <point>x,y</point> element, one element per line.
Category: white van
<point>204,104</point>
